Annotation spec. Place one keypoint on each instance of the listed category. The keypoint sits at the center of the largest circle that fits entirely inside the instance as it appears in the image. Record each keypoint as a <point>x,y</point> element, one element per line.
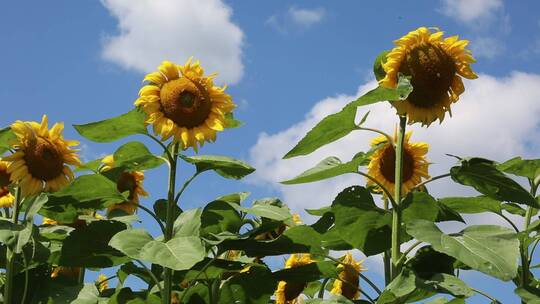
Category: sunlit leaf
<point>6,137</point>
<point>224,166</point>
<point>115,128</point>
<point>529,168</point>
<point>134,156</point>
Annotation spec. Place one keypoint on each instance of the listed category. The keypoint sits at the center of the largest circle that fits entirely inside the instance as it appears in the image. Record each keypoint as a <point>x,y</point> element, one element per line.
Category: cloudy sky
<point>287,64</point>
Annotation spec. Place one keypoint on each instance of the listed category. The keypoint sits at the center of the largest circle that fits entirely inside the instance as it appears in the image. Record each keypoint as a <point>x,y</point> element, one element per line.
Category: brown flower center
<point>127,182</point>
<point>184,104</point>
<point>4,182</point>
<point>293,290</point>
<point>350,280</point>
<point>432,72</point>
<point>44,160</point>
<point>388,164</point>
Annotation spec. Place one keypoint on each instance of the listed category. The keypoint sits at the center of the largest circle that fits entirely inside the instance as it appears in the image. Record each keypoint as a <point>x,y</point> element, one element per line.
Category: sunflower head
<point>435,67</point>
<point>347,284</point>
<point>382,163</point>
<point>181,102</point>
<point>6,198</point>
<point>102,283</point>
<point>42,157</point>
<point>126,181</point>
<point>288,292</point>
<point>69,273</point>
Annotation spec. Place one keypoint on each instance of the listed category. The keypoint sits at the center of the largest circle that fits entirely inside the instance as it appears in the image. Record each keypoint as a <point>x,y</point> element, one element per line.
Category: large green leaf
<point>490,249</point>
<point>219,216</point>
<point>271,208</point>
<point>134,156</point>
<point>360,222</point>
<point>115,128</point>
<point>307,273</point>
<point>482,175</point>
<point>336,126</point>
<point>328,168</point>
<point>477,204</point>
<point>179,253</point>
<point>421,205</point>
<point>87,188</point>
<point>224,166</point>
<point>528,295</point>
<point>188,223</point>
<point>6,137</point>
<point>87,246</point>
<point>529,168</point>
<point>255,286</point>
<point>378,69</point>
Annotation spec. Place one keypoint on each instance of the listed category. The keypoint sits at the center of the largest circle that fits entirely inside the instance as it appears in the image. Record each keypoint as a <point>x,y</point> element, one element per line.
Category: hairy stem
<point>10,255</point>
<point>166,298</point>
<point>493,300</point>
<point>396,212</point>
<point>387,255</point>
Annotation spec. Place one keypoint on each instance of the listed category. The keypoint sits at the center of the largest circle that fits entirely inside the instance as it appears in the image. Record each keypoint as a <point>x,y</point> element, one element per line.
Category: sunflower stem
<point>524,250</point>
<point>396,211</point>
<point>387,254</point>
<point>166,298</point>
<point>10,255</point>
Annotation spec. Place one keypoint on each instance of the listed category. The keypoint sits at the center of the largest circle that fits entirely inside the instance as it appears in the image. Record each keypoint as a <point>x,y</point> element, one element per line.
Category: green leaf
<point>528,295</point>
<point>477,204</point>
<point>482,175</point>
<point>87,246</point>
<point>253,287</point>
<point>231,122</point>
<point>334,299</point>
<point>307,273</point>
<point>131,269</point>
<point>492,250</point>
<point>421,205</point>
<point>338,125</point>
<point>219,216</point>
<point>160,209</point>
<point>6,137</point>
<point>271,208</point>
<point>92,165</point>
<point>529,168</point>
<point>328,168</point>
<point>360,222</point>
<point>115,128</point>
<point>86,188</point>
<point>134,156</point>
<point>34,204</point>
<point>179,253</point>
<point>188,223</point>
<point>378,69</point>
<point>428,262</point>
<point>224,166</point>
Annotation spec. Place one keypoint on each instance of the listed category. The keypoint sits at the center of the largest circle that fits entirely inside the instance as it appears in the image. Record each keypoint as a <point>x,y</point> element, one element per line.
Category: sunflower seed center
<point>388,164</point>
<point>127,182</point>
<point>182,103</point>
<point>44,160</point>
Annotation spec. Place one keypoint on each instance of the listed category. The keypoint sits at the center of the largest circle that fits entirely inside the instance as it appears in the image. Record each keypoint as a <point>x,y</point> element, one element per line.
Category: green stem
<point>386,255</point>
<point>388,137</point>
<point>493,300</point>
<point>151,274</point>
<point>383,188</point>
<point>10,255</point>
<point>166,298</point>
<point>404,255</point>
<point>152,214</point>
<point>524,252</point>
<point>427,181</point>
<point>185,186</point>
<point>82,273</point>
<point>396,212</point>
<point>323,287</point>
<point>26,277</point>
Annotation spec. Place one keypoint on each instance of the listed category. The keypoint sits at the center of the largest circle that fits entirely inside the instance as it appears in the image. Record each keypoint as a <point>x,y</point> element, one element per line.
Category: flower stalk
<point>396,212</point>
<point>10,255</point>
<point>166,298</point>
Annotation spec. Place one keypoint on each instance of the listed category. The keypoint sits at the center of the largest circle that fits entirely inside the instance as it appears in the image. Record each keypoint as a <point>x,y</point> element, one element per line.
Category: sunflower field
<point>62,218</point>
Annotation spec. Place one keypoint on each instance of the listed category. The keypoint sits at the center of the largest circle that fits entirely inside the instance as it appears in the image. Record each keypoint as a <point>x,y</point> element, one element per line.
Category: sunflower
<point>383,163</point>
<point>347,284</point>
<point>70,273</point>
<point>435,66</point>
<point>42,157</point>
<point>6,198</point>
<point>180,101</point>
<point>288,292</point>
<point>127,181</point>
<point>102,283</point>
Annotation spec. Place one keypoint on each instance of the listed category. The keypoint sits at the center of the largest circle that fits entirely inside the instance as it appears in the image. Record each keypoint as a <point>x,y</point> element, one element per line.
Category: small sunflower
<point>382,164</point>
<point>42,157</point>
<point>102,283</point>
<point>180,101</point>
<point>278,231</point>
<point>127,181</point>
<point>70,273</point>
<point>347,284</point>
<point>6,198</point>
<point>435,66</point>
<point>288,292</point>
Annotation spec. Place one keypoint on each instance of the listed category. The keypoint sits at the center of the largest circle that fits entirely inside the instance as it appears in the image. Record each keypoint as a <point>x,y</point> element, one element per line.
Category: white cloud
<point>296,18</point>
<point>151,31</point>
<point>471,11</point>
<point>496,118</point>
<point>486,47</point>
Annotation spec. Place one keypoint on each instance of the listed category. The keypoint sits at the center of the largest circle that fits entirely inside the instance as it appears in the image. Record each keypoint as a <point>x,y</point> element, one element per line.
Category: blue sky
<point>288,63</point>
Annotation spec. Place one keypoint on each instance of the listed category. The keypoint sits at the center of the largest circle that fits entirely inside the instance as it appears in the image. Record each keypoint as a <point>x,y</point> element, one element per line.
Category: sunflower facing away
<point>127,181</point>
<point>435,66</point>
<point>6,198</point>
<point>347,284</point>
<point>180,101</point>
<point>382,163</point>
<point>42,157</point>
<point>288,292</point>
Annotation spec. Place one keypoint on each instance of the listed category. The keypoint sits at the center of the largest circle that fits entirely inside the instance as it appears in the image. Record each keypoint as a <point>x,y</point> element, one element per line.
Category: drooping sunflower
<point>382,163</point>
<point>347,284</point>
<point>127,181</point>
<point>435,66</point>
<point>6,198</point>
<point>180,101</point>
<point>288,292</point>
<point>42,156</point>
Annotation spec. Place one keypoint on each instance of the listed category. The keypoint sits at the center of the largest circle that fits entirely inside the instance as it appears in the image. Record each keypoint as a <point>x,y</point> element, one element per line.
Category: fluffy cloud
<point>471,10</point>
<point>486,47</point>
<point>150,31</point>
<point>299,18</point>
<point>496,118</point>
